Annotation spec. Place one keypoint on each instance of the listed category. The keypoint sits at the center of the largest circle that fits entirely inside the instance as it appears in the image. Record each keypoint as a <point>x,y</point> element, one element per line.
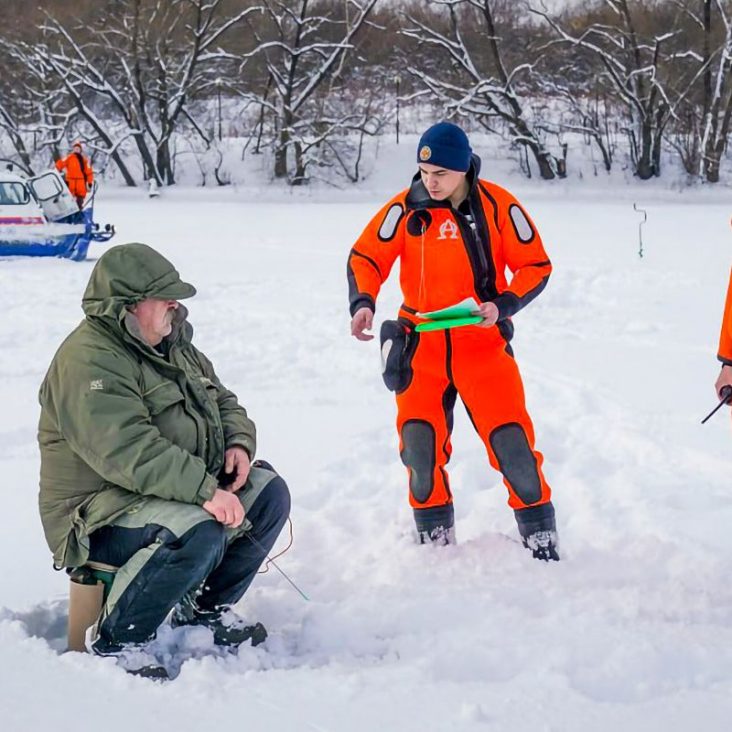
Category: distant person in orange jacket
<point>455,236</point>
<point>725,345</point>
<point>79,174</point>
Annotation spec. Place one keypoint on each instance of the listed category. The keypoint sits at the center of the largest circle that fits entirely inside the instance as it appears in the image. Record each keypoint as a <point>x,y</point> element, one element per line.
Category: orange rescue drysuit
<point>448,255</point>
<point>725,337</point>
<point>79,174</point>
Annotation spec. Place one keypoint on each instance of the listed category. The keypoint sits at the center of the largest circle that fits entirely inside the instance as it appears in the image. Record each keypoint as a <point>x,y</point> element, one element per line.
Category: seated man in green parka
<point>146,464</point>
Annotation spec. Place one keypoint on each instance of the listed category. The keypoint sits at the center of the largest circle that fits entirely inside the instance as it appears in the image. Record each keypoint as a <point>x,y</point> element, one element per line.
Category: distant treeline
<point>309,81</point>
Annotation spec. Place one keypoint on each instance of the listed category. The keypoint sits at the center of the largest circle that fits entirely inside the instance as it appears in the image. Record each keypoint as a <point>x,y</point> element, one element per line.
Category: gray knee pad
<point>418,454</point>
<point>516,461</point>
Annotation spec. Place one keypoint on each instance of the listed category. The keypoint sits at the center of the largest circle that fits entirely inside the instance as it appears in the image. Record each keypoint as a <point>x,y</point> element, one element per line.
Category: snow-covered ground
<point>632,630</point>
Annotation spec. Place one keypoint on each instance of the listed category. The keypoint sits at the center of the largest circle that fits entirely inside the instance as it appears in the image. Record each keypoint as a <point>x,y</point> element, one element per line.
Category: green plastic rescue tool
<point>448,323</point>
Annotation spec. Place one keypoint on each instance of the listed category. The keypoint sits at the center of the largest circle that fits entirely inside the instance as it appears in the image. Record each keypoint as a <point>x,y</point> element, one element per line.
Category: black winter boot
<point>435,525</point>
<point>134,658</point>
<point>228,628</point>
<point>538,529</point>
<point>543,545</point>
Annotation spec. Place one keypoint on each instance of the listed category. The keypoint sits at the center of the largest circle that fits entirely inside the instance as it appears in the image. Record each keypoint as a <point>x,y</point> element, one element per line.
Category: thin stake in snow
<point>640,228</point>
<point>274,564</point>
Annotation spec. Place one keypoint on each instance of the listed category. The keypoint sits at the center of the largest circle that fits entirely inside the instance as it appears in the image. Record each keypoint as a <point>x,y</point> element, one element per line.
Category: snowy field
<point>631,631</point>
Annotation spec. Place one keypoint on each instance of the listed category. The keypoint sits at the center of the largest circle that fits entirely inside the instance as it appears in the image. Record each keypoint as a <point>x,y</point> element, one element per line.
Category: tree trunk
<point>261,114</point>
<point>715,149</point>
<point>151,170</point>
<point>280,160</point>
<point>706,58</point>
<point>546,166</point>
<point>299,178</point>
<point>607,159</point>
<point>717,143</point>
<point>645,168</point>
<point>20,148</point>
<point>164,161</point>
<point>545,160</point>
<point>712,164</point>
<point>129,180</point>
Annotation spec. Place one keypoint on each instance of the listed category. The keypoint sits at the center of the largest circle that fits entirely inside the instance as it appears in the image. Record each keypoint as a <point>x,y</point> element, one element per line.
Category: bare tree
<point>59,101</point>
<point>28,103</point>
<point>636,58</point>
<point>141,65</point>
<point>717,105</point>
<point>145,83</point>
<point>587,114</point>
<point>304,45</point>
<point>487,76</point>
<point>14,130</point>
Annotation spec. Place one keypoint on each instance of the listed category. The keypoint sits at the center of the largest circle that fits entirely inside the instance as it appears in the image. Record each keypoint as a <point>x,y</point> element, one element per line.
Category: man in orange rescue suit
<point>725,345</point>
<point>456,235</point>
<point>79,174</point>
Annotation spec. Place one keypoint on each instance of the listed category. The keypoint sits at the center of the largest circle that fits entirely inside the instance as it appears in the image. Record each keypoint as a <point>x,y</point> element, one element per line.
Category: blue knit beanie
<point>446,145</point>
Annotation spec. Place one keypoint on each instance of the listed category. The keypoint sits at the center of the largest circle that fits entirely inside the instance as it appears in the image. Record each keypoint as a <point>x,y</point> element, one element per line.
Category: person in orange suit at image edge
<point>725,345</point>
<point>79,174</point>
<point>455,235</point>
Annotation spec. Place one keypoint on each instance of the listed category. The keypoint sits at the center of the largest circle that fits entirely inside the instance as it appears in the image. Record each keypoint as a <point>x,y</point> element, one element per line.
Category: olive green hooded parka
<point>121,420</point>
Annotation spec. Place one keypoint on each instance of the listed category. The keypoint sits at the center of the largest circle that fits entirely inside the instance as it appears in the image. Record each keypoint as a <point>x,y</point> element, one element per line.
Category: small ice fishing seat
<point>88,589</point>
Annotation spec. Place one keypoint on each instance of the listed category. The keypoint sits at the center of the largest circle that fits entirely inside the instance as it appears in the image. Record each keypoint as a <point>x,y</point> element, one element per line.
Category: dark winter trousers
<point>166,549</point>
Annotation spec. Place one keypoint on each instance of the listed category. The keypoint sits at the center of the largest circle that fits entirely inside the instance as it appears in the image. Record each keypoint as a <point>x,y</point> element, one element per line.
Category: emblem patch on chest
<point>448,230</point>
<point>96,385</point>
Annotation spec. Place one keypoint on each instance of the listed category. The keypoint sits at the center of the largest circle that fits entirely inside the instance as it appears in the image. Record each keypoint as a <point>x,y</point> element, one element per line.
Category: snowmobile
<point>40,218</point>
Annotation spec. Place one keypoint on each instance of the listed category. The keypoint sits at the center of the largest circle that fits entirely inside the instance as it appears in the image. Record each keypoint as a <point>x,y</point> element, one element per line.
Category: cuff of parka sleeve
<point>247,445</point>
<point>508,305</point>
<point>364,301</point>
<point>725,361</point>
<point>207,489</point>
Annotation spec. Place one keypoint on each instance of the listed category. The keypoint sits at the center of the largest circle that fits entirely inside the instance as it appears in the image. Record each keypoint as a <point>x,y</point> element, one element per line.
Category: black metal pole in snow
<point>640,228</point>
<point>726,398</point>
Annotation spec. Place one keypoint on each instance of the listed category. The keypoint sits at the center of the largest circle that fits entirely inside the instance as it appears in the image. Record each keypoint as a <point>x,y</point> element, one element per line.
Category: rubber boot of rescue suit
<point>538,528</point>
<point>435,525</point>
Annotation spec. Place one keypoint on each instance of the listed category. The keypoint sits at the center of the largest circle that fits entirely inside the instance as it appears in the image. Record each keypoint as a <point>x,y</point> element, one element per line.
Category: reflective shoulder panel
<point>391,221</point>
<point>385,351</point>
<point>524,231</point>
